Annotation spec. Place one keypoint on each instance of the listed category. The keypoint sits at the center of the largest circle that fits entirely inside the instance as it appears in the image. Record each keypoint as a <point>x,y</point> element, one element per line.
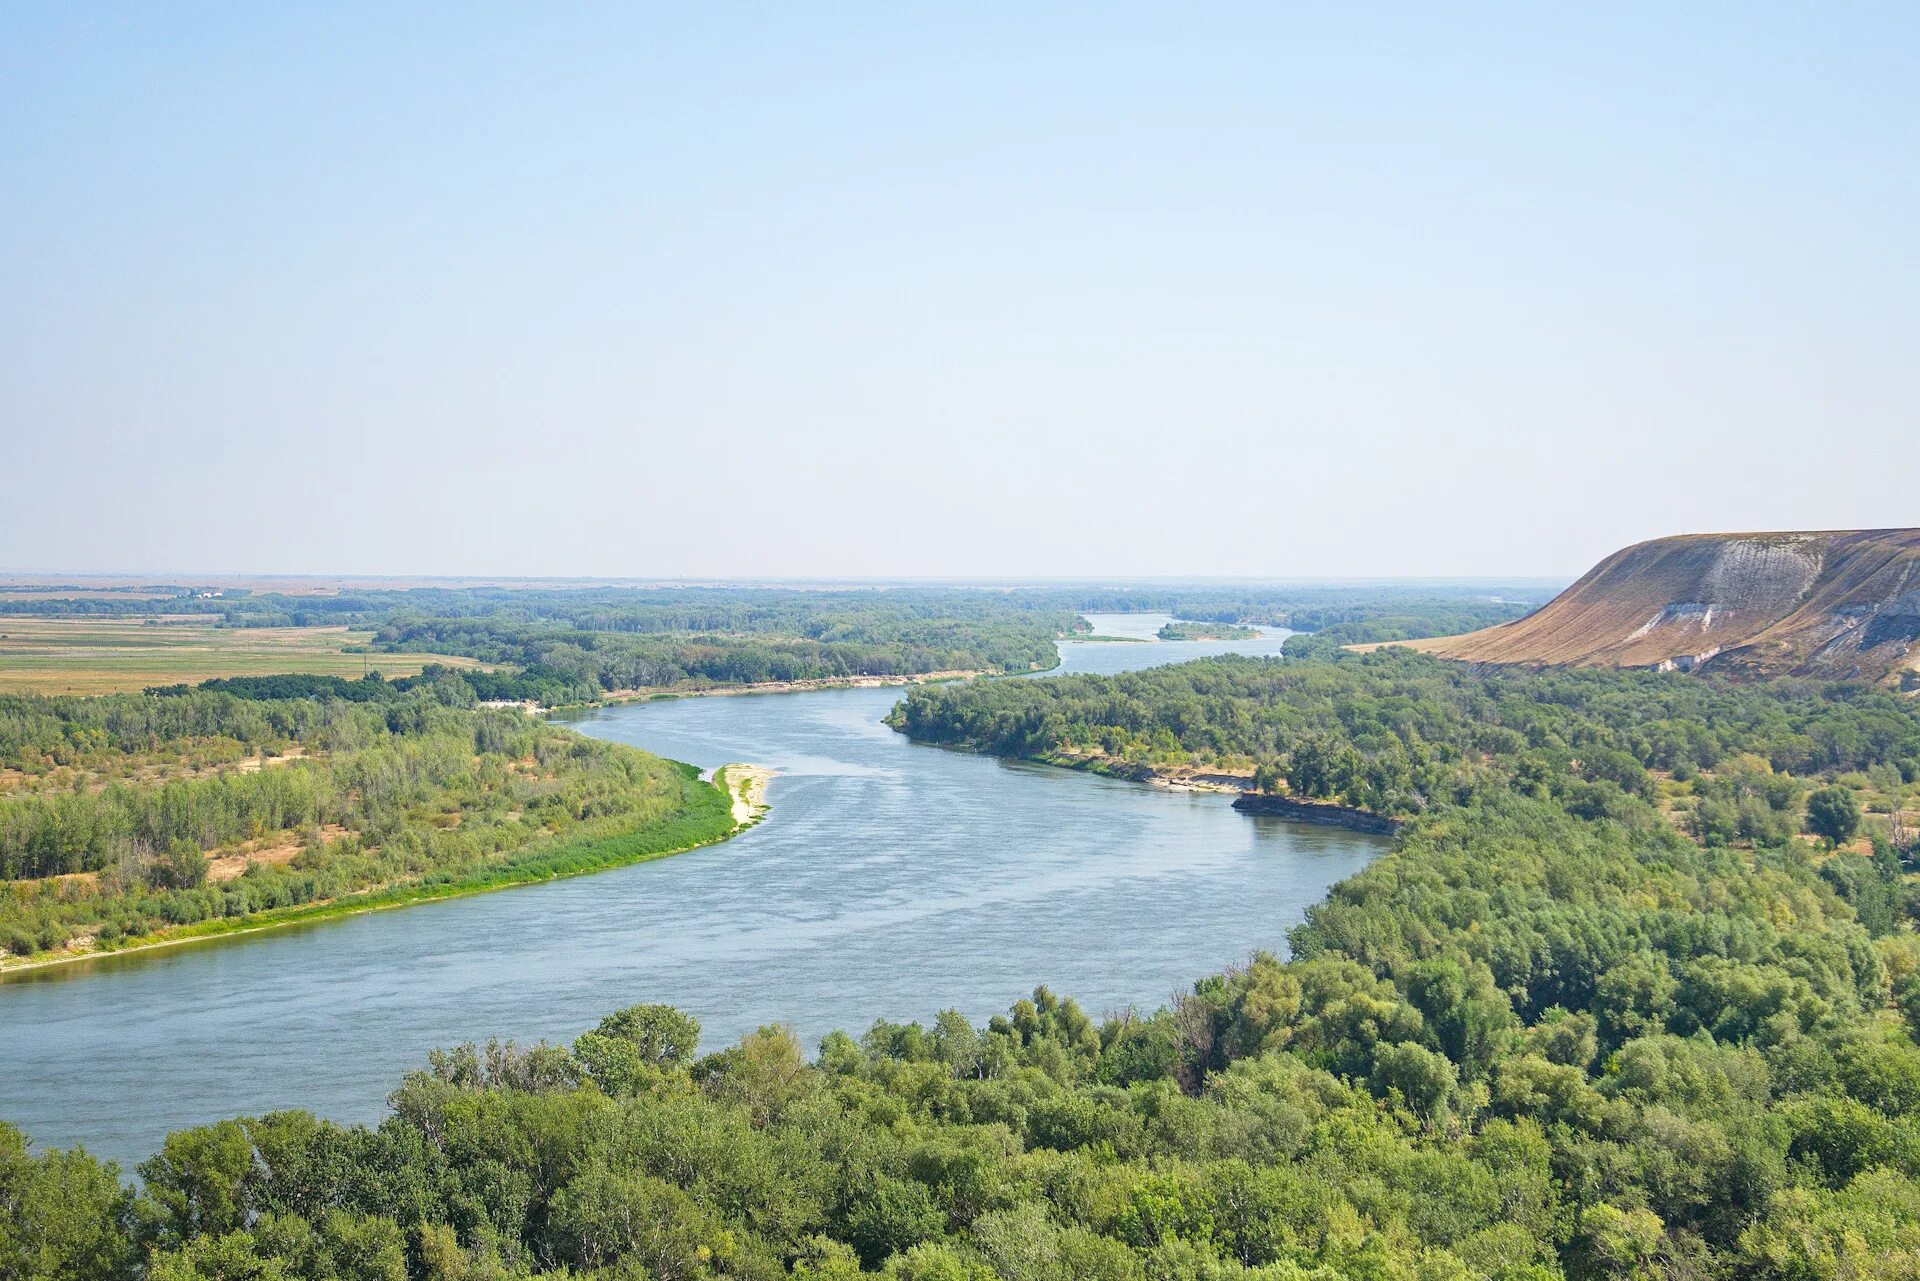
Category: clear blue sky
<point>839,290</point>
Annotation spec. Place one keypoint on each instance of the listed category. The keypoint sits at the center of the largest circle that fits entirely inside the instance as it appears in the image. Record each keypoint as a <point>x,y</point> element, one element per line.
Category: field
<point>102,656</point>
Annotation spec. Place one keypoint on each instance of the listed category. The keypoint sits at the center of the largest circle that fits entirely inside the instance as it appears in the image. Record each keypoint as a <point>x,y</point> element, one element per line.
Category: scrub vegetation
<point>130,819</point>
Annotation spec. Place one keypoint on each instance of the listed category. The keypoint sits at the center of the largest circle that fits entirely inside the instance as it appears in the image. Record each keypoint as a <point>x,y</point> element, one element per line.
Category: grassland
<point>114,655</point>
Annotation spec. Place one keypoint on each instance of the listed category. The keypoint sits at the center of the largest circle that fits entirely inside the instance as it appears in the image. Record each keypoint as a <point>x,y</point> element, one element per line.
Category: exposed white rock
<point>1770,575</point>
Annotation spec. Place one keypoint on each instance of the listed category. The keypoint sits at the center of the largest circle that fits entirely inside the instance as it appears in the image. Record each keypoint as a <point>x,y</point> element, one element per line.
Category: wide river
<point>889,881</point>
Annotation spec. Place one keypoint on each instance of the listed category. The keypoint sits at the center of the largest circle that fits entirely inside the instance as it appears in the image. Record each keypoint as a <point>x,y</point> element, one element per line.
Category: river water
<point>891,880</point>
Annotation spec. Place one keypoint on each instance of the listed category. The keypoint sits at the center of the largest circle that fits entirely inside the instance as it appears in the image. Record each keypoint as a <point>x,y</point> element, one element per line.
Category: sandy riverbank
<point>1236,782</point>
<point>1179,778</point>
<point>746,787</point>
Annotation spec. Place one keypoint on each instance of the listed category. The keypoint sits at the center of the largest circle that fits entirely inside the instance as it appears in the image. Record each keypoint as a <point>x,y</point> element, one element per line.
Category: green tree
<point>605,1216</point>
<point>200,1181</point>
<point>631,1047</point>
<point>1833,814</point>
<point>1421,1078</point>
<point>1624,1243</point>
<point>62,1215</point>
<point>892,1215</point>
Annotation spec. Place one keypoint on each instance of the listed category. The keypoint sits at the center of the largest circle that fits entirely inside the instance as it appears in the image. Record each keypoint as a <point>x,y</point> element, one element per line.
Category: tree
<point>201,1180</point>
<point>631,1047</point>
<point>62,1214</point>
<point>1310,768</point>
<point>1623,1243</point>
<point>1422,1078</point>
<point>1833,814</point>
<point>605,1216</point>
<point>892,1215</point>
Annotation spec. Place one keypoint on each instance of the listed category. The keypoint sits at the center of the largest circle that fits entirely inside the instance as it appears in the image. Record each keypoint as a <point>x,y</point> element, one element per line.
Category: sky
<point>934,291</point>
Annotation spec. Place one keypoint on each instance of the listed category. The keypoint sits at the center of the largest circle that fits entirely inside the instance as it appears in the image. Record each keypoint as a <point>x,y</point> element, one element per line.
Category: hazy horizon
<point>214,577</point>
<point>1088,294</point>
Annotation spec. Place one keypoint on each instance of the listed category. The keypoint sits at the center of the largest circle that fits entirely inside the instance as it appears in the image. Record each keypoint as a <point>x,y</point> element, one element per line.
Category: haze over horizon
<point>1108,293</point>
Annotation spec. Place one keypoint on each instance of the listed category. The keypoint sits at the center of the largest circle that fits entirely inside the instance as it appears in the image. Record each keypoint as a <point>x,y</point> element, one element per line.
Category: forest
<point>1179,630</point>
<point>127,818</point>
<point>582,647</point>
<point>1566,1028</point>
<point>1398,732</point>
<point>557,664</point>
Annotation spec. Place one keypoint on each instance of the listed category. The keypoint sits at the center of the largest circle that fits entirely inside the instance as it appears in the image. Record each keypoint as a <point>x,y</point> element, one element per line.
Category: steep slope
<point>1842,604</point>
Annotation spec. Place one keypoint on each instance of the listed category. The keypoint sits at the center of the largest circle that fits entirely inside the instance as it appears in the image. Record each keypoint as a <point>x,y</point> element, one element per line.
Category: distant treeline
<point>1404,611</point>
<point>588,664</point>
<point>868,615</point>
<point>606,646</point>
<point>1187,631</point>
<point>571,645</point>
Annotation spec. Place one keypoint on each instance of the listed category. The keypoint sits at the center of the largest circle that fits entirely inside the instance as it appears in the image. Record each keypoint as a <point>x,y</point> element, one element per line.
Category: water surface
<point>892,880</point>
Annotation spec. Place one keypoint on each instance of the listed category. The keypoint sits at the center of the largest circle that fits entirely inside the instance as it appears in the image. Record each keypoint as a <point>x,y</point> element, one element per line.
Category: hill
<point>1840,604</point>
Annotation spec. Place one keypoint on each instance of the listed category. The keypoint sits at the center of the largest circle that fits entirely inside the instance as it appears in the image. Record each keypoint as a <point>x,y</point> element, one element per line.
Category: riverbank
<point>1173,777</point>
<point>1326,813</point>
<point>1237,782</point>
<point>710,817</point>
<point>746,788</point>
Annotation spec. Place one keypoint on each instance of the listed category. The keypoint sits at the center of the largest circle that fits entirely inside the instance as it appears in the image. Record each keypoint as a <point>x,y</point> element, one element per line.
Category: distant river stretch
<point>891,880</point>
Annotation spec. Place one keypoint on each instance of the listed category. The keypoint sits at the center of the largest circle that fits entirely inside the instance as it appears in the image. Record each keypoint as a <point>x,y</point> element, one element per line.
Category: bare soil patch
<point>281,847</point>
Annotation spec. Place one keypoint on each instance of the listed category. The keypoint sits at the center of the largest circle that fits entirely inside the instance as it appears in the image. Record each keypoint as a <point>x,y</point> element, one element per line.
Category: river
<point>891,880</point>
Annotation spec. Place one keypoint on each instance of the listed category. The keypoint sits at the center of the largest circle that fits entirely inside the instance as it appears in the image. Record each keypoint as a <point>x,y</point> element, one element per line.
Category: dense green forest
<point>127,816</point>
<point>1566,1028</point>
<point>1398,732</point>
<point>595,646</point>
<point>1179,630</point>
<point>558,664</point>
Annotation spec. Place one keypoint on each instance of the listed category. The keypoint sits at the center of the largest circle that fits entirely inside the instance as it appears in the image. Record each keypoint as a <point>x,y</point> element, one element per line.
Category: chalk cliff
<point>1835,604</point>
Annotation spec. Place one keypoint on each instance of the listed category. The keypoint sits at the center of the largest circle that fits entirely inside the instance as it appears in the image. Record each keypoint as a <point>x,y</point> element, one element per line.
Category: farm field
<point>104,656</point>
